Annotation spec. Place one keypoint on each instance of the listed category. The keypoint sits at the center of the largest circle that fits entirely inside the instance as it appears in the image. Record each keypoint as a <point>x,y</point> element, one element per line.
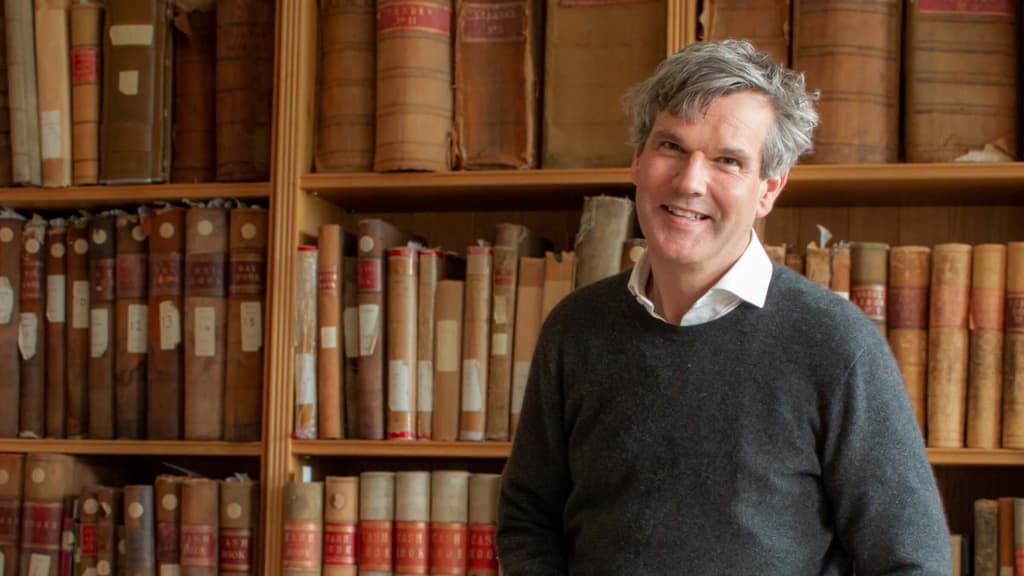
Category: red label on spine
<point>1015,312</point>
<point>198,546</point>
<point>908,308</point>
<point>10,520</point>
<point>327,280</point>
<point>493,22</point>
<point>165,274</point>
<point>369,274</point>
<point>870,298</point>
<point>339,544</point>
<point>978,7</point>
<point>103,280</point>
<point>411,547</point>
<point>247,275</point>
<point>32,271</point>
<point>131,275</point>
<point>87,539</point>
<point>483,556</point>
<point>85,65</point>
<point>204,275</point>
<point>235,551</point>
<point>402,16</point>
<point>949,307</point>
<point>448,545</point>
<point>167,549</point>
<point>375,545</point>
<point>41,525</point>
<point>301,545</point>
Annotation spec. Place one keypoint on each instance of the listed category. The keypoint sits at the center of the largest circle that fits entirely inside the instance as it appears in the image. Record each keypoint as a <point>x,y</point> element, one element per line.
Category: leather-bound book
<point>1018,534</point>
<point>605,224</point>
<point>1013,350</point>
<point>108,519</point>
<point>23,92</point>
<point>101,326</point>
<point>350,317</point>
<point>764,23</point>
<point>305,384</point>
<point>54,82</point>
<point>907,318</point>
<point>303,529</point>
<point>200,528</point>
<point>244,88</point>
<point>88,517</point>
<point>985,322</point>
<point>247,280</point>
<point>11,226</point>
<point>131,329</point>
<point>56,327</point>
<point>434,266</point>
<point>206,251</point>
<point>448,359</point>
<point>165,227</point>
<point>484,491</point>
<point>412,522</point>
<point>948,345</point>
<point>794,260</point>
<point>239,526</point>
<point>348,86</point>
<point>32,330</point>
<point>401,296</point>
<point>961,79</point>
<point>48,481</point>
<point>632,249</point>
<point>498,53</point>
<point>86,25</point>
<point>195,62</point>
<point>840,280</point>
<point>167,492</point>
<point>818,264</point>
<point>528,321</point>
<point>869,266</point>
<point>476,328</point>
<point>593,52</point>
<point>329,355</point>
<point>77,309</point>
<point>5,112</point>
<point>135,132</point>
<point>376,523</point>
<point>1006,553</point>
<point>11,484</point>
<point>776,253</point>
<point>986,537</point>
<point>850,51</point>
<point>414,85</point>
<point>139,531</point>
<point>341,518</point>
<point>559,268</point>
<point>67,542</point>
<point>449,515</point>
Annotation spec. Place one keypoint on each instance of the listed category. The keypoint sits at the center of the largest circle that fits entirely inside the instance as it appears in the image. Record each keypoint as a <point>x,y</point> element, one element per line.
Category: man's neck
<point>674,291</point>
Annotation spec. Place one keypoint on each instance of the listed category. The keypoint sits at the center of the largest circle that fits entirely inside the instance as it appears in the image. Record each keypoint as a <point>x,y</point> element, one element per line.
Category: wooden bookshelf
<point>100,196</point>
<point>391,449</point>
<point>975,457</point>
<point>133,447</point>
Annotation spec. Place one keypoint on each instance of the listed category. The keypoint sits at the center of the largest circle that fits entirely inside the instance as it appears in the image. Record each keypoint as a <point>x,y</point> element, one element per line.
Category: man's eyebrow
<point>734,152</point>
<point>663,134</point>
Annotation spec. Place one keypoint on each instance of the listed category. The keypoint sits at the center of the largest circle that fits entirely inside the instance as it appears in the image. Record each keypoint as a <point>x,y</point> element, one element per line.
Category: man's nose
<point>692,174</point>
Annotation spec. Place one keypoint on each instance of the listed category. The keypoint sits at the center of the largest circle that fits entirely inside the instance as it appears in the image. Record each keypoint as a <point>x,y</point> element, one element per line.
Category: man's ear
<point>770,189</point>
<point>634,167</point>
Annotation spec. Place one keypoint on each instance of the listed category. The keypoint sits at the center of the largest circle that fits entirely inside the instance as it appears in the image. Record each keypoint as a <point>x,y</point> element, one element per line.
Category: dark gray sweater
<point>770,441</point>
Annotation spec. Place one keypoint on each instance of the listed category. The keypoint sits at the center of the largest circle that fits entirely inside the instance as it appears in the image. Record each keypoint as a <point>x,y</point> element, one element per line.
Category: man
<point>709,413</point>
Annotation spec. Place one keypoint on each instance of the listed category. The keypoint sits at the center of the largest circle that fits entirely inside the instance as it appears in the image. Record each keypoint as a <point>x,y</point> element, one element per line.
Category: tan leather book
<point>32,330</point>
<point>632,249</point>
<point>167,492</point>
<point>986,537</point>
<point>985,369</point>
<point>206,248</point>
<point>131,329</point>
<point>195,62</point>
<point>605,224</point>
<point>1006,552</point>
<point>108,518</point>
<point>376,523</point>
<point>484,492</point>
<point>165,227</point>
<point>948,345</point>
<point>303,526</point>
<point>86,31</point>
<point>851,53</point>
<point>56,327</point>
<point>247,280</point>
<point>139,531</point>
<point>348,86</point>
<point>11,226</point>
<point>53,77</point>
<point>764,23</point>
<point>244,88</point>
<point>527,328</point>
<point>88,517</point>
<point>961,104</point>
<point>869,266</point>
<point>414,85</point>
<point>48,480</point>
<point>23,92</point>
<point>498,52</point>
<point>818,264</point>
<point>840,280</point>
<point>794,260</point>
<point>12,475</point>
<point>305,402</point>
<point>200,527</point>
<point>341,519</point>
<point>476,328</point>
<point>593,52</point>
<point>135,131</point>
<point>776,253</point>
<point>78,311</point>
<point>350,318</point>
<point>1013,358</point>
<point>412,522</point>
<point>907,318</point>
<point>239,526</point>
<point>559,268</point>
<point>448,359</point>
<point>402,290</point>
<point>5,112</point>
<point>449,515</point>
<point>102,252</point>
<point>328,309</point>
<point>428,273</point>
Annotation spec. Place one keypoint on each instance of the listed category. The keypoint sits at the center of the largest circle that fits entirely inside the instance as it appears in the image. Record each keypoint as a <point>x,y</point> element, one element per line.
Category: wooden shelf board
<point>975,457</point>
<point>400,449</point>
<point>133,447</point>
<point>98,196</point>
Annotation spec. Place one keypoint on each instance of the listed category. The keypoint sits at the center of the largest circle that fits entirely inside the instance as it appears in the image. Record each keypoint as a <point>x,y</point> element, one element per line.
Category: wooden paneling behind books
<point>54,80</point>
<point>86,27</point>
<point>22,89</point>
<point>195,59</point>
<point>765,23</point>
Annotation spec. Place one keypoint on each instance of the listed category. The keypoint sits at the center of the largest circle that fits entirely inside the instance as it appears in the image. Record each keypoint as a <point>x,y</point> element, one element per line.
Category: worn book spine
<point>206,247</point>
<point>985,323</point>
<point>302,554</point>
<point>448,359</point>
<point>247,280</point>
<point>764,23</point>
<point>499,377</point>
<point>1018,536</point>
<point>53,77</point>
<point>11,227</point>
<point>86,25</point>
<point>960,78</point>
<point>376,523</point>
<point>412,522</point>
<point>429,272</point>
<point>239,527</point>
<point>167,492</point>
<point>986,537</point>
<point>131,328</point>
<point>350,318</point>
<point>88,517</point>
<point>528,321</point>
<point>330,422</point>
<point>5,111</point>
<point>907,318</point>
<point>139,531</point>
<point>632,249</point>
<point>401,342</point>
<point>476,326</point>
<point>348,86</point>
<point>108,518</point>
<point>11,485</point>
<point>869,267</point>
<point>947,344</point>
<point>200,526</point>
<point>56,328</point>
<point>23,93</point>
<point>48,481</point>
<point>1005,543</point>
<point>449,516</point>
<point>840,280</point>
<point>165,369</point>
<point>305,417</point>
<point>78,312</point>
<point>341,520</point>
<point>605,224</point>
<point>484,492</point>
<point>818,264</point>
<point>794,260</point>
<point>1013,349</point>
<point>195,60</point>
<point>559,269</point>
<point>244,88</point>
<point>850,51</point>
<point>31,330</point>
<point>414,85</point>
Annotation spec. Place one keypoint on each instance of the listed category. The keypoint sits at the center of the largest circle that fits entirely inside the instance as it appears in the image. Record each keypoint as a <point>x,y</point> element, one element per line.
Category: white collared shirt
<point>747,280</point>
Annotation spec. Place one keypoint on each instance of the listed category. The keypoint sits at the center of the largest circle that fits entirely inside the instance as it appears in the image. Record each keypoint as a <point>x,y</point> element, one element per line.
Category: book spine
<point>947,345</point>
<point>341,520</point>
<point>78,311</point>
<point>54,82</point>
<point>195,61</point>
<point>765,23</point>
<point>200,527</point>
<point>412,522</point>
<point>86,25</point>
<point>101,327</point>
<point>139,531</point>
<point>47,483</point>
<point>376,523</point>
<point>131,328</point>
<point>868,280</point>
<point>499,377</point>
<point>239,524</point>
<point>528,321</point>
<point>484,493</point>
<point>56,328</point>
<point>305,343</point>
<point>818,265</point>
<point>907,318</point>
<point>31,330</point>
<point>328,310</point>
<point>986,537</point>
<point>10,311</point>
<point>449,515</point>
<point>108,518</point>
<point>448,359</point>
<point>350,318</point>
<point>558,280</point>
<point>401,342</point>
<point>303,529</point>
<point>88,516</point>
<point>605,224</point>
<point>370,296</point>
<point>23,92</point>
<point>475,342</point>
<point>11,484</point>
<point>166,350</point>
<point>985,322</point>
<point>429,273</point>
<point>167,491</point>
<point>1013,359</point>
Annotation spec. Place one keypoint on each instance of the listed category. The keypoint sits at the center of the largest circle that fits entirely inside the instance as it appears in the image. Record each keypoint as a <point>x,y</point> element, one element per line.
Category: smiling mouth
<point>688,215</point>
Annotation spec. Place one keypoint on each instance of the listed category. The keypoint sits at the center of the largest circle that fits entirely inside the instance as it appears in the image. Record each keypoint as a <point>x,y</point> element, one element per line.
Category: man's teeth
<point>684,213</point>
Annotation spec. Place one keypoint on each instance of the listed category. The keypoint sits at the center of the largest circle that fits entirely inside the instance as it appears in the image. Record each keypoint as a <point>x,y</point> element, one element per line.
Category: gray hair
<point>687,82</point>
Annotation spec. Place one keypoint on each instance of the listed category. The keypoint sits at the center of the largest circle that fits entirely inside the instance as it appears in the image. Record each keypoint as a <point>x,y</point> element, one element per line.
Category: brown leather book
<point>350,317</point>
<point>794,260</point>
<point>414,85</point>
<point>476,328</point>
<point>434,266</point>
<point>206,251</point>
<point>135,132</point>
<point>139,531</point>
<point>303,528</point>
<point>869,266</point>
<point>56,327</point>
<point>449,515</point>
<point>77,309</point>
<point>529,317</point>
<point>498,52</point>
<point>907,318</point>
<point>165,227</point>
<point>11,226</point>
<point>329,355</point>
<point>23,92</point>
<point>48,481</point>
<point>1006,552</point>
<point>1013,359</point>
<point>200,526</point>
<point>305,383</point>
<point>764,23</point>
<point>131,329</point>
<point>448,359</point>
<point>86,31</point>
<point>195,62</point>
<point>593,52</point>
<point>605,224</point>
<point>818,264</point>
<point>341,518</point>
<point>840,280</point>
<point>986,537</point>
<point>54,82</point>
<point>32,330</point>
<point>239,526</point>
<point>348,86</point>
<point>376,522</point>
<point>412,522</point>
<point>632,249</point>
<point>108,519</point>
<point>101,326</point>
<point>559,268</point>
<point>851,53</point>
<point>948,344</point>
<point>402,289</point>
<point>88,516</point>
<point>244,88</point>
<point>484,491</point>
<point>985,370</point>
<point>247,279</point>
<point>5,112</point>
<point>12,473</point>
<point>167,492</point>
<point>961,104</point>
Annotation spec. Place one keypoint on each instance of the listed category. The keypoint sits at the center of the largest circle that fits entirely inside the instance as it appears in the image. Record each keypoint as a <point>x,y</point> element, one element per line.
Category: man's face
<point>698,184</point>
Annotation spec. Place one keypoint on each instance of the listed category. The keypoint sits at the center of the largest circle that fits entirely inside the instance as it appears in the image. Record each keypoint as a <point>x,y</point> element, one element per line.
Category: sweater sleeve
<point>888,512</point>
<point>535,484</point>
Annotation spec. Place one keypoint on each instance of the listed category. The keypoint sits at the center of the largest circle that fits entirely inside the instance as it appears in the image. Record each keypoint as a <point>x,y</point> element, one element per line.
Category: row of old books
<point>953,68</point>
<point>382,522</point>
<point>996,547</point>
<point>107,91</point>
<point>133,325</point>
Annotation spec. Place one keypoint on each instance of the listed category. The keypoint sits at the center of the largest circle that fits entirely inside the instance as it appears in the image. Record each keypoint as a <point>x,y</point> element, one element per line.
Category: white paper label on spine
<point>28,334</point>
<point>50,134</point>
<point>398,386</point>
<point>425,386</point>
<point>99,333</point>
<point>170,325</point>
<point>472,395</point>
<point>56,298</point>
<point>252,326</point>
<point>369,328</point>
<point>205,332</point>
<point>499,345</point>
<point>328,337</point>
<point>80,304</point>
<point>305,373</point>
<point>138,320</point>
<point>6,300</point>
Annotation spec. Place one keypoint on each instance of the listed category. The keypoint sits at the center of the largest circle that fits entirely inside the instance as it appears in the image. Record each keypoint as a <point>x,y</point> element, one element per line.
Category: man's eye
<point>667,145</point>
<point>729,161</point>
